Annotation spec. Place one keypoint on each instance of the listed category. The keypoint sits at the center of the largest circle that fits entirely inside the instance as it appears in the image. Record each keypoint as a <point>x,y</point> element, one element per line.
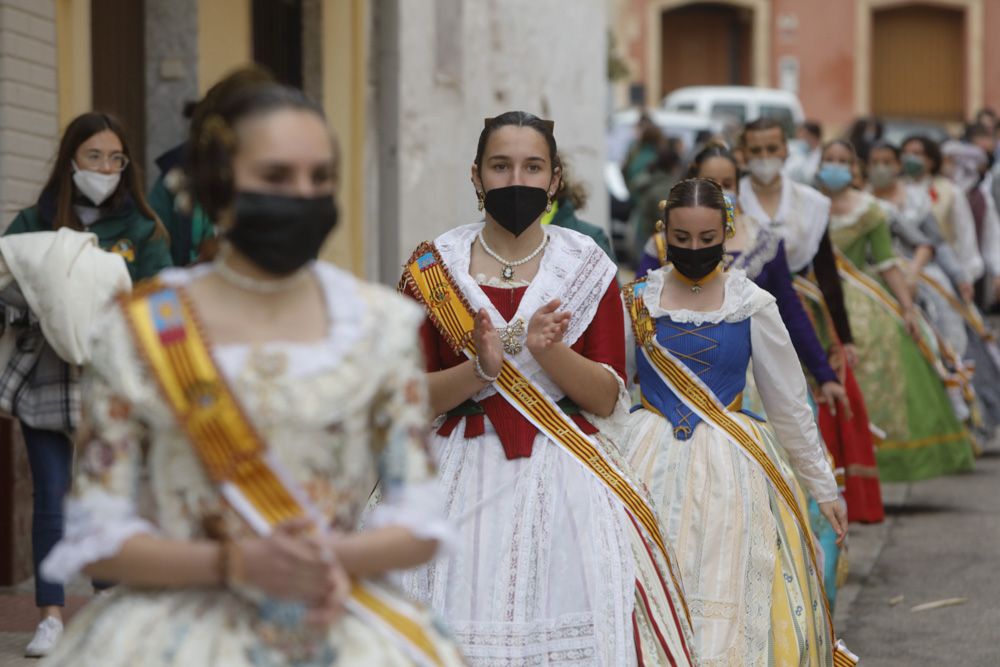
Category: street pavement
<point>940,541</point>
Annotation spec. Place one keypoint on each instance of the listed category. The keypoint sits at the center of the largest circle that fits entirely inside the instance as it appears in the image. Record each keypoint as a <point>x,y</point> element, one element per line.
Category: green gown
<point>904,392</point>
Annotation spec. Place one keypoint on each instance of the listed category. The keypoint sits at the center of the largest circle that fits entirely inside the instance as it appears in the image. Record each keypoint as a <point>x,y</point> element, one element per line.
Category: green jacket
<point>125,232</point>
<point>564,215</point>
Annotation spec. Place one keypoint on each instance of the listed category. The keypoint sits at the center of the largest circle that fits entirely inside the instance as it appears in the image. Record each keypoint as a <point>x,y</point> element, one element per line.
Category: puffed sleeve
<point>783,390</point>
<point>410,496</point>
<point>990,243</point>
<point>966,244</point>
<point>102,512</point>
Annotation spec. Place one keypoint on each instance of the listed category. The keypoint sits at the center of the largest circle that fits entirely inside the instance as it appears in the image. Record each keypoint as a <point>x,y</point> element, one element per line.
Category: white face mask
<point>765,169</point>
<point>94,185</point>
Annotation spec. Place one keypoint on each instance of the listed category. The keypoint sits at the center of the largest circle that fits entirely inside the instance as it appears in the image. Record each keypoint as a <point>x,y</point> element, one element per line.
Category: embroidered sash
<point>701,400</point>
<point>233,454</point>
<point>862,281</point>
<point>450,313</point>
<point>969,313</point>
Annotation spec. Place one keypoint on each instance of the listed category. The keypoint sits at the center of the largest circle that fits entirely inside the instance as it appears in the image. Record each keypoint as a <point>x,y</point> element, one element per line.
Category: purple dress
<point>767,266</point>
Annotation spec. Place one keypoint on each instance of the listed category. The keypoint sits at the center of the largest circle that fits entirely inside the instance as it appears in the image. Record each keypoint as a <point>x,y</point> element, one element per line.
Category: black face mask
<point>695,264</point>
<point>281,234</point>
<point>515,207</point>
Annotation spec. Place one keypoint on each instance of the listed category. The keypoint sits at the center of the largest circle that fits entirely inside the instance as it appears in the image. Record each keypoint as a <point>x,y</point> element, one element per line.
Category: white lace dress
<point>337,416</point>
<point>544,572</point>
<point>754,595</point>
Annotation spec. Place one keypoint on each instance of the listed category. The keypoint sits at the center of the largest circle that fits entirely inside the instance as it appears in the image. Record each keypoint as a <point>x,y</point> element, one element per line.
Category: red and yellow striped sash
<point>234,455</point>
<point>700,399</point>
<point>453,317</point>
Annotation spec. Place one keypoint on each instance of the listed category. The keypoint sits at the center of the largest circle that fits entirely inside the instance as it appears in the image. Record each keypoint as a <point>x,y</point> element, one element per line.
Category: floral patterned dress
<point>338,415</point>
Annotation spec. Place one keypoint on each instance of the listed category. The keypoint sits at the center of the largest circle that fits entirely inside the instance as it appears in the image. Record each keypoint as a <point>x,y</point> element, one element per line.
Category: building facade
<point>935,60</point>
<point>405,85</point>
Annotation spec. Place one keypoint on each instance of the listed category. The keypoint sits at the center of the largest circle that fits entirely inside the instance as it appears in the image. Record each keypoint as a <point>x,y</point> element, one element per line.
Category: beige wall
<point>224,39</point>
<point>345,37</point>
<point>74,71</point>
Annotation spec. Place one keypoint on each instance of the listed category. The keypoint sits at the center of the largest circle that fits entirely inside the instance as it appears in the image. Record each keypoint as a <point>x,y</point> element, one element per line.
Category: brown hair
<point>518,119</point>
<point>60,183</point>
<point>761,125</point>
<point>693,192</point>
<point>712,149</point>
<point>843,143</point>
<point>570,189</point>
<point>213,141</point>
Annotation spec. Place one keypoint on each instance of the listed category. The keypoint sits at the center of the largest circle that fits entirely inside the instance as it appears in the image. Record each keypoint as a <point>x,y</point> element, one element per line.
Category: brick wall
<point>28,135</point>
<point>28,101</point>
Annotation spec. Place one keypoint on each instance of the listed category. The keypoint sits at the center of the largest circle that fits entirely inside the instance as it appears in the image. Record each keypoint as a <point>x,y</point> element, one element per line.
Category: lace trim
<point>799,211</point>
<point>418,507</point>
<point>346,308</point>
<point>97,525</point>
<point>573,269</point>
<point>742,299</point>
<point>763,249</point>
<point>844,220</point>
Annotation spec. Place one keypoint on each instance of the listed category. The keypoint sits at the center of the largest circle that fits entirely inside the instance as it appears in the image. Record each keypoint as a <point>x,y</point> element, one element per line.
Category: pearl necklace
<point>256,285</point>
<point>507,273</point>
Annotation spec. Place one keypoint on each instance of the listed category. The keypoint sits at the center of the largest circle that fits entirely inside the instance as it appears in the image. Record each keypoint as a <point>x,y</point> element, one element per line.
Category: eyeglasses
<point>95,160</point>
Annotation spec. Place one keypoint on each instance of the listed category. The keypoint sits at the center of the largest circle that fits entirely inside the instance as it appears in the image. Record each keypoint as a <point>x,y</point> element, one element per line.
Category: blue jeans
<point>50,455</point>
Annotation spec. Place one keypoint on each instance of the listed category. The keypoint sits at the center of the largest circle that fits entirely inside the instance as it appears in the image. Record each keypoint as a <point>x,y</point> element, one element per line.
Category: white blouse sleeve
<point>991,235</point>
<point>966,244</point>
<point>410,495</point>
<point>102,512</point>
<point>783,390</point>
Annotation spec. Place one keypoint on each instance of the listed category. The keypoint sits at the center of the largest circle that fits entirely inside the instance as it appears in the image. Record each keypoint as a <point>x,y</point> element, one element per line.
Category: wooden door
<point>277,38</point>
<point>918,63</point>
<point>705,45</point>
<point>118,57</point>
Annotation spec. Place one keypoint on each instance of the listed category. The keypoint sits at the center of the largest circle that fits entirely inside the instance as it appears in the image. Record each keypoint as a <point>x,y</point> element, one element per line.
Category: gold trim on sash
<point>703,402</point>
<point>453,317</point>
<point>968,313</point>
<point>233,453</point>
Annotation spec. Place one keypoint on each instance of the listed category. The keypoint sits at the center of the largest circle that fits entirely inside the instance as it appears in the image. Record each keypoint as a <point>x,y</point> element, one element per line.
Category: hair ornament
<point>730,215</point>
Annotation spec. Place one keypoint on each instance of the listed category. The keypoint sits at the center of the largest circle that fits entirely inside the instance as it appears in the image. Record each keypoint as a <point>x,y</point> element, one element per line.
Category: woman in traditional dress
<point>729,505</point>
<point>240,414</point>
<point>938,278</point>
<point>843,419</point>
<point>559,560</point>
<point>899,369</point>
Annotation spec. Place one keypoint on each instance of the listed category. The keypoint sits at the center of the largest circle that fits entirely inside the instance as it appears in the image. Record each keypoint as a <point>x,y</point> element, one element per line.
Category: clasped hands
<point>546,329</point>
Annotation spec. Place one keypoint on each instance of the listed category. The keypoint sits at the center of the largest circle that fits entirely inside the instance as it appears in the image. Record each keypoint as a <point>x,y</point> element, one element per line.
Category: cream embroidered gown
<point>754,594</point>
<point>337,415</point>
<point>546,571</point>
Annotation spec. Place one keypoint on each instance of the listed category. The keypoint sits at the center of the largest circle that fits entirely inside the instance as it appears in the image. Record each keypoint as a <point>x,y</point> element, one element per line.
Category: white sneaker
<point>46,635</point>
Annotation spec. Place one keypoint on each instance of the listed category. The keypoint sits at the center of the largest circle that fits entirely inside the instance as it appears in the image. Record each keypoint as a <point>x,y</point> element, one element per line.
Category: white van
<point>737,104</point>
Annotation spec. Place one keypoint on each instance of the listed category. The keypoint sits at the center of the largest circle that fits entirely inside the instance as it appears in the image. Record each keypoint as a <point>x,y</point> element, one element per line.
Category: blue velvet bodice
<point>717,353</point>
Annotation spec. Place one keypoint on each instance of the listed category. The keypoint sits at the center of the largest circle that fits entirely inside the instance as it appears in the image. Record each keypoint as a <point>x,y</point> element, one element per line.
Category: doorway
<point>705,44</point>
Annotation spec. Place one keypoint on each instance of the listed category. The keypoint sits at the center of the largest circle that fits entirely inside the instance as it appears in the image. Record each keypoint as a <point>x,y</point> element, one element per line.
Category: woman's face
<point>884,159</point>
<point>695,227</point>
<point>720,170</point>
<point>515,156</point>
<point>916,149</point>
<point>838,154</point>
<point>287,152</point>
<point>103,152</point>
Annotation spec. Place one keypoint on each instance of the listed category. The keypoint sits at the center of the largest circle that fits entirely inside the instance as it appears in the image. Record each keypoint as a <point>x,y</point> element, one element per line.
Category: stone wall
<point>466,60</point>
<point>171,74</point>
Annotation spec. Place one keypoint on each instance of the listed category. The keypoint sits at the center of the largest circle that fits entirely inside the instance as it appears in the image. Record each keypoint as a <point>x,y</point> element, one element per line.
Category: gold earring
<point>482,200</point>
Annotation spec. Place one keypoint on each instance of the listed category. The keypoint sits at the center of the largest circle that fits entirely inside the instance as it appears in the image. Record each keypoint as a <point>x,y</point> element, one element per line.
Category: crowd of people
<point>516,459</point>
